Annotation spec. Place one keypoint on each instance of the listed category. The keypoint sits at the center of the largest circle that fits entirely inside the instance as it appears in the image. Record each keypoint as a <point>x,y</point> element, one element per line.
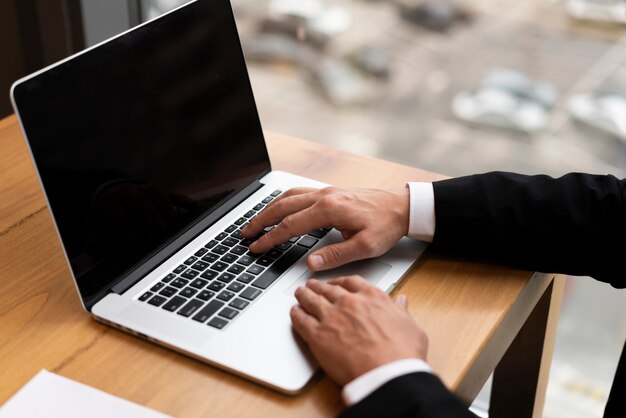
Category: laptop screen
<point>140,137</point>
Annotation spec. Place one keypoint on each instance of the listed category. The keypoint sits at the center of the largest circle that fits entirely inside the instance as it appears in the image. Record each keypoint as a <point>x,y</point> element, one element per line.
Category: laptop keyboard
<point>222,278</point>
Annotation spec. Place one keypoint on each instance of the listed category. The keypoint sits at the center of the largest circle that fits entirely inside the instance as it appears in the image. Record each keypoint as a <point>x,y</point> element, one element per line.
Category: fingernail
<point>316,261</point>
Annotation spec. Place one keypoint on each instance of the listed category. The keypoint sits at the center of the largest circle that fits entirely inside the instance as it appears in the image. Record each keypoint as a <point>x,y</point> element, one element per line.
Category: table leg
<point>521,377</point>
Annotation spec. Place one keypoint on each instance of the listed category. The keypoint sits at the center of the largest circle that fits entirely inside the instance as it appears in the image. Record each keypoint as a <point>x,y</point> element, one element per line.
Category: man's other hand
<point>371,222</point>
<point>353,327</point>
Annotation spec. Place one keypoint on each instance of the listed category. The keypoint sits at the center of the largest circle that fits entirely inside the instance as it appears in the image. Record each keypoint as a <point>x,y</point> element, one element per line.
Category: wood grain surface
<point>471,311</point>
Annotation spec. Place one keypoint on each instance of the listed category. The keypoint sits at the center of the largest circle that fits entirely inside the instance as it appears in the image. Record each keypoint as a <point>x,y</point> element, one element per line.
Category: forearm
<point>574,224</point>
<point>419,395</point>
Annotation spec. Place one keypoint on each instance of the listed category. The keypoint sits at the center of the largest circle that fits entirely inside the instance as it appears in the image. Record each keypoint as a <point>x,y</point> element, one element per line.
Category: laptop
<point>152,158</point>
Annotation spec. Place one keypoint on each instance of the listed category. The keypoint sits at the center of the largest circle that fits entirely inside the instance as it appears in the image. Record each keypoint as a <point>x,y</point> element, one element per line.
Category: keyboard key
<point>168,291</point>
<point>231,242</point>
<point>231,228</point>
<point>188,292</point>
<point>255,269</point>
<point>239,303</point>
<point>157,286</point>
<point>237,235</point>
<point>221,236</point>
<point>190,274</point>
<point>274,253</point>
<point>293,240</point>
<point>206,312</point>
<point>216,286</point>
<point>284,246</point>
<point>246,260</point>
<point>174,303</point>
<point>209,274</point>
<point>268,228</point>
<point>240,221</point>
<point>199,283</point>
<point>250,293</point>
<point>209,258</point>
<point>235,287</point>
<point>200,266</point>
<point>318,233</point>
<point>267,200</point>
<point>157,300</point>
<point>258,207</point>
<point>235,269</point>
<point>218,323</point>
<point>205,295</point>
<point>239,250</point>
<point>228,313</point>
<point>211,244</point>
<point>279,267</point>
<point>191,260</point>
<point>190,308</point>
<point>179,283</point>
<point>220,249</point>
<point>168,278</point>
<point>145,296</point>
<point>264,261</point>
<point>246,242</point>
<point>226,295</point>
<point>219,266</point>
<point>229,258</point>
<point>180,269</point>
<point>201,252</point>
<point>276,193</point>
<point>245,278</point>
<point>307,241</point>
<point>249,214</point>
<point>226,277</point>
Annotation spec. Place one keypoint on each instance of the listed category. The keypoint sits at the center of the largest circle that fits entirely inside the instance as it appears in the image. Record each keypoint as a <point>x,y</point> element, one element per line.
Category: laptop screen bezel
<point>172,245</point>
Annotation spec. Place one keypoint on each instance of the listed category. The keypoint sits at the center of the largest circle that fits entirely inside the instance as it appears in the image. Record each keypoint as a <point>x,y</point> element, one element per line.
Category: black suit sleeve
<point>575,224</point>
<point>420,395</point>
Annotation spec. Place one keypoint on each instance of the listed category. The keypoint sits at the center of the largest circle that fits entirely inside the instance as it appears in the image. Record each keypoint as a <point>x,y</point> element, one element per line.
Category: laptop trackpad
<point>372,271</point>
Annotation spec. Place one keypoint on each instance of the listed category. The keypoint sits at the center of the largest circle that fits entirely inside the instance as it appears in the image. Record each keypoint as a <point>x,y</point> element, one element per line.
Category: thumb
<point>335,255</point>
<point>402,301</point>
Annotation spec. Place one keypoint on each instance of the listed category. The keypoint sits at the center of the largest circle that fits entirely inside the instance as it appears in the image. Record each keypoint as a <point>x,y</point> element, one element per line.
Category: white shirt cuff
<point>421,211</point>
<point>364,385</point>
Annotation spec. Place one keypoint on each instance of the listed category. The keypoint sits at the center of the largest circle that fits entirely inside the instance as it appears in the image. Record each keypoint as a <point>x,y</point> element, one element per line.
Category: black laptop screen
<point>138,138</point>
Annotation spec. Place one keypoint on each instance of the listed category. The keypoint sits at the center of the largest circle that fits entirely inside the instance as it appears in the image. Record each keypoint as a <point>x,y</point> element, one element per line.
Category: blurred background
<point>456,87</point>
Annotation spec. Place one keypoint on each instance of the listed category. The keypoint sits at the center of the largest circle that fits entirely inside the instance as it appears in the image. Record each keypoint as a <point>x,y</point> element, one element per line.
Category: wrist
<point>403,208</point>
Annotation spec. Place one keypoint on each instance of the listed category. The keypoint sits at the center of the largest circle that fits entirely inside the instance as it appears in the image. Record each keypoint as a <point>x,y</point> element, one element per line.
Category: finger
<point>336,255</point>
<point>275,213</point>
<point>312,303</point>
<point>304,324</point>
<point>292,226</point>
<point>330,292</point>
<point>351,283</point>
<point>402,301</point>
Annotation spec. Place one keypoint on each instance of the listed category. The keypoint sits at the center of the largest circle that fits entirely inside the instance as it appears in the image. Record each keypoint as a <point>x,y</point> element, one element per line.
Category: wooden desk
<point>472,312</point>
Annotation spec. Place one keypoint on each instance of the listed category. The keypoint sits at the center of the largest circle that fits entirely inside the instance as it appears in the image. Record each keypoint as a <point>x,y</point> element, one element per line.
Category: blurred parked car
<point>604,109</point>
<point>267,48</point>
<point>507,99</point>
<point>371,61</point>
<point>342,84</point>
<point>435,15</point>
<point>600,10</point>
<point>318,15</point>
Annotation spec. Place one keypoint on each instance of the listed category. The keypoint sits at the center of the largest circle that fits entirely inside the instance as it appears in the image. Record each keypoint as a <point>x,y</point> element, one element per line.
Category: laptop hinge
<point>166,252</point>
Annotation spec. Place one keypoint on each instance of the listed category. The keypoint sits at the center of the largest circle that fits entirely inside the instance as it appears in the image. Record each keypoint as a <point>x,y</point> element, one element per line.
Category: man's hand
<point>353,327</point>
<point>371,222</point>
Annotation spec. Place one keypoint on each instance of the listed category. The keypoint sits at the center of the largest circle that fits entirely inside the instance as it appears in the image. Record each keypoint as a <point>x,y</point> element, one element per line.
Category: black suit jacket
<point>575,225</point>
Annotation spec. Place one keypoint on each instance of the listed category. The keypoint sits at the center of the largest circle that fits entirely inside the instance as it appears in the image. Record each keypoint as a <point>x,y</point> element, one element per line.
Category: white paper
<point>48,395</point>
